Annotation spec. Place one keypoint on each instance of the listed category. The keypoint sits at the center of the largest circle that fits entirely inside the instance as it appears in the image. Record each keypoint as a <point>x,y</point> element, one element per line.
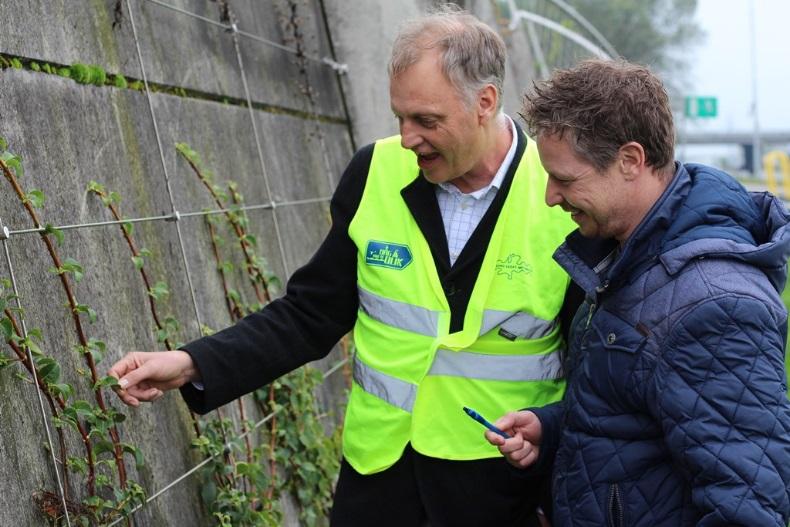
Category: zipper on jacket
<point>589,315</point>
<point>615,507</point>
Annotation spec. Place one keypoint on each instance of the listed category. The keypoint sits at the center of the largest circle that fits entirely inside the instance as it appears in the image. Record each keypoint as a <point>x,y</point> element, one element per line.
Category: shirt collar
<point>500,174</point>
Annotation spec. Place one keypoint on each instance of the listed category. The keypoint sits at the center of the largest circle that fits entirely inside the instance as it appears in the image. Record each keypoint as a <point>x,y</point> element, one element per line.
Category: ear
<point>487,100</point>
<point>631,160</point>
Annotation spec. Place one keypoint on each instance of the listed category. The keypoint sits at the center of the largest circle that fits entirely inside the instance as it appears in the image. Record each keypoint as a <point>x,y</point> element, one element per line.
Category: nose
<point>409,137</point>
<point>553,193</point>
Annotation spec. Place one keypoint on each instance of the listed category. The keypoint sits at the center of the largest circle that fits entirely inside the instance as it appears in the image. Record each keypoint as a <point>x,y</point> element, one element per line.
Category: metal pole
<point>757,157</point>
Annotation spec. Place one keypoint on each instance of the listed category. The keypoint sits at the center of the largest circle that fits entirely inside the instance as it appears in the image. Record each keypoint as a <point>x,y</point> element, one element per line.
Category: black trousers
<point>423,491</point>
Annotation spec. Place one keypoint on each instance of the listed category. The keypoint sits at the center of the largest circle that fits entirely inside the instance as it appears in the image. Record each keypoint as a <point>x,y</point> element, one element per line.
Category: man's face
<point>597,201</point>
<point>435,122</point>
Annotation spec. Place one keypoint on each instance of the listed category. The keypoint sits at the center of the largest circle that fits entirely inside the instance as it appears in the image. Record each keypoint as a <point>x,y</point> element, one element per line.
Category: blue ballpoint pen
<point>482,420</point>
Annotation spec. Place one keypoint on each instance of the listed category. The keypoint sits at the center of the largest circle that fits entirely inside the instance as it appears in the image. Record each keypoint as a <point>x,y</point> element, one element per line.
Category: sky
<point>721,65</point>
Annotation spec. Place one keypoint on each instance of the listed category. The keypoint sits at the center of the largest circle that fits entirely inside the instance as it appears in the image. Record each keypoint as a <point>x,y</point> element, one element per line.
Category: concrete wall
<point>363,37</point>
<point>308,121</point>
<point>70,134</point>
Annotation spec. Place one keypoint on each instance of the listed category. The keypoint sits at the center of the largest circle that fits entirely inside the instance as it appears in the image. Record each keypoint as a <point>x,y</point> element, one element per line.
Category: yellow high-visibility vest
<point>412,377</point>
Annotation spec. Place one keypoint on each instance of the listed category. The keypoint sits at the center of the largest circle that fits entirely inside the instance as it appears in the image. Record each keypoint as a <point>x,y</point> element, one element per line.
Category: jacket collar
<point>702,212</point>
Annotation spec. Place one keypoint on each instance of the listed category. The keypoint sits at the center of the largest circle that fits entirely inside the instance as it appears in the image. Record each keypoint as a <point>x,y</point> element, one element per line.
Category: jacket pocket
<point>615,334</point>
<point>614,507</point>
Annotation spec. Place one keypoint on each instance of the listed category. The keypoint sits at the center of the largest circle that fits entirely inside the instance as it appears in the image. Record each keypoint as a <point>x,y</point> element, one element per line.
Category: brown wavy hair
<point>604,104</point>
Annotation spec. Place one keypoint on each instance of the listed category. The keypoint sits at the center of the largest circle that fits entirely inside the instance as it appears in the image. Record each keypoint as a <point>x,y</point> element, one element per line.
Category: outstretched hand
<point>146,376</point>
<point>523,447</point>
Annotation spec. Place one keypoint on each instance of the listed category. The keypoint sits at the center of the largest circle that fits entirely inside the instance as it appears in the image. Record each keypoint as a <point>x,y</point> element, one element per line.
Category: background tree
<point>657,33</point>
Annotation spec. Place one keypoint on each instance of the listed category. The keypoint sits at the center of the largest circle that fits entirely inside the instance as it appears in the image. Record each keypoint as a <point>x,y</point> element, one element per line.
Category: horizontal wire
<point>226,448</point>
<point>340,68</point>
<point>171,217</point>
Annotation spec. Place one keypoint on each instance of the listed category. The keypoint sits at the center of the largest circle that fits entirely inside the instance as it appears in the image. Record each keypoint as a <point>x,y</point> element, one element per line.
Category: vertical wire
<point>176,216</point>
<point>35,383</point>
<point>236,46</point>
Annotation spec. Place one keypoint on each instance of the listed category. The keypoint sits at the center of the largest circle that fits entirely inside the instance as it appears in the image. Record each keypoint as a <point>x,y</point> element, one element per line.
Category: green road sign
<point>701,107</point>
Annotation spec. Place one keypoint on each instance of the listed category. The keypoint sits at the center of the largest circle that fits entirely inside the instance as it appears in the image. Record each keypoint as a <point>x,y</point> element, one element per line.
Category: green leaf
<point>107,382</point>
<point>77,464</point>
<point>7,327</point>
<point>93,186</point>
<point>32,346</point>
<point>64,390</point>
<point>82,308</point>
<point>35,197</point>
<point>98,344</point>
<point>97,354</point>
<point>159,291</point>
<point>57,233</point>
<point>128,228</point>
<point>14,162</point>
<point>48,370</point>
<point>71,265</point>
<point>145,252</point>
<point>3,144</point>
<point>138,262</point>
<point>250,239</point>
<point>82,408</point>
<point>136,452</point>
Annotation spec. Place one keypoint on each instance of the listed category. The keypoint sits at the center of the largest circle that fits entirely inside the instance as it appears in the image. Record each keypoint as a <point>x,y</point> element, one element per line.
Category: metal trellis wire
<point>4,236</point>
<point>172,217</point>
<point>326,61</point>
<point>175,216</point>
<point>227,448</point>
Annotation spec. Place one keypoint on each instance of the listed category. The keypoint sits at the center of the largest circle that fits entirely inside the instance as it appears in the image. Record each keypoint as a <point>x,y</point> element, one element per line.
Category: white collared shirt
<point>461,213</point>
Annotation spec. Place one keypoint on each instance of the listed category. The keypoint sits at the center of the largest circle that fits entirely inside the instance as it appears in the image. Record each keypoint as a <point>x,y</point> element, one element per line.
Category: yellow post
<point>770,160</point>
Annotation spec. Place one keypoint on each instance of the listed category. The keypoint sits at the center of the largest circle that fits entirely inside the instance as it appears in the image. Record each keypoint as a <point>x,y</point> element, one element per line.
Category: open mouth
<point>426,160</point>
<point>574,212</point>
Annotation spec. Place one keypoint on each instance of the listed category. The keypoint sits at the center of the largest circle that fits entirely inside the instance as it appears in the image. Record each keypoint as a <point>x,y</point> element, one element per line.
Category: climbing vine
<point>303,460</point>
<point>248,475</point>
<point>95,422</point>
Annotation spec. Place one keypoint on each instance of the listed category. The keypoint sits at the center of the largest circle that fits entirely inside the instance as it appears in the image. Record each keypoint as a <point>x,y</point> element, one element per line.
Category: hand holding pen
<point>522,446</point>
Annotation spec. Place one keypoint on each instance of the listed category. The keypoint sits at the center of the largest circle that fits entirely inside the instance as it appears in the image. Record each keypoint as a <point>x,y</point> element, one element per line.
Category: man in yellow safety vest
<point>440,259</point>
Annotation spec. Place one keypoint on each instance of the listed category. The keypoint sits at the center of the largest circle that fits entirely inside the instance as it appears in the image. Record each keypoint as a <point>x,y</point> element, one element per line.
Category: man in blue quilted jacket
<point>676,411</point>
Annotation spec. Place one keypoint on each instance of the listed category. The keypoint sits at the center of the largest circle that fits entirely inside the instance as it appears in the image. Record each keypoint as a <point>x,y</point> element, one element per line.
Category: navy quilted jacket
<point>676,411</point>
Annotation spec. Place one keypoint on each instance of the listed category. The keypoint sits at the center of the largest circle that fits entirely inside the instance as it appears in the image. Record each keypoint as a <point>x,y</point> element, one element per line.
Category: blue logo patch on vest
<point>512,264</point>
<point>387,254</point>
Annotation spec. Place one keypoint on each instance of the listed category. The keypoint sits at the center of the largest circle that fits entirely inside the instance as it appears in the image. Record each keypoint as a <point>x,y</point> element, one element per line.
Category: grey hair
<point>472,54</point>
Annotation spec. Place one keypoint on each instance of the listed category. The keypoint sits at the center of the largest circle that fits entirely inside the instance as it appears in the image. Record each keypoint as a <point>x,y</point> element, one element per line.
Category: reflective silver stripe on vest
<point>395,391</point>
<point>399,314</point>
<point>522,325</point>
<point>497,367</point>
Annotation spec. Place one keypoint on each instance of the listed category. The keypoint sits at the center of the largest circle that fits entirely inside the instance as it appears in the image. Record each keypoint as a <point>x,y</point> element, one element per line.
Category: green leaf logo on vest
<point>387,254</point>
<point>512,264</point>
